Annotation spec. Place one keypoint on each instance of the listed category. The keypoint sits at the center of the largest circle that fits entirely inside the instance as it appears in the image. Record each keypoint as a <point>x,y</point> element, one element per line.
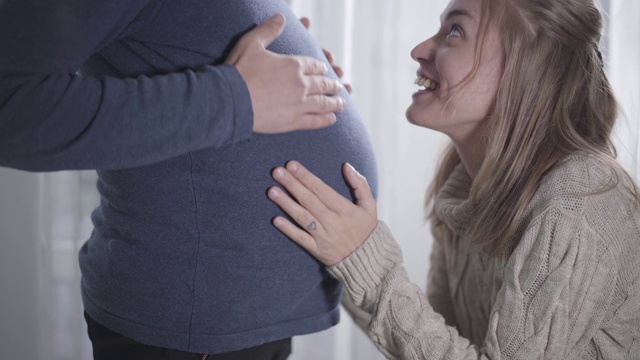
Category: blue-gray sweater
<point>183,254</point>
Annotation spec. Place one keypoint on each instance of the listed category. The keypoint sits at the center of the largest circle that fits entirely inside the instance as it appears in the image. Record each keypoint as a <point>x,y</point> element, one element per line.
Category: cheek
<point>481,93</point>
<point>454,66</point>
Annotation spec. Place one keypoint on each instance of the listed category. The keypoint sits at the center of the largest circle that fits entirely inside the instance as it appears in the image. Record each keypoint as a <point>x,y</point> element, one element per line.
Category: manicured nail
<point>356,172</point>
<point>278,173</point>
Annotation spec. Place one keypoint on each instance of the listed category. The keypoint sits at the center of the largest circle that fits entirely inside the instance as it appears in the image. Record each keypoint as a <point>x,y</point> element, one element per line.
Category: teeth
<point>427,83</point>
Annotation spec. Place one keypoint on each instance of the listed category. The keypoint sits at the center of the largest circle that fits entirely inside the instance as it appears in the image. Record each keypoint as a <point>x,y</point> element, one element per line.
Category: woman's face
<point>449,101</point>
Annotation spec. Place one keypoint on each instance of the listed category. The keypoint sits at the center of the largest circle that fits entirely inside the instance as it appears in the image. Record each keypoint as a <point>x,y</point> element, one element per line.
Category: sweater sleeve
<point>51,118</point>
<point>549,306</point>
<point>360,317</point>
<point>438,291</point>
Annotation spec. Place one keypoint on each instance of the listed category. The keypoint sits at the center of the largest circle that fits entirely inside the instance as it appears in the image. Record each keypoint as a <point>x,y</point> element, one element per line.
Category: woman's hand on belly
<point>332,227</point>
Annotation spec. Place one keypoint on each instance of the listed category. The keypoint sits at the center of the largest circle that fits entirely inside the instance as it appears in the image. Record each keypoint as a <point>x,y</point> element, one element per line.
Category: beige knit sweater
<point>569,290</point>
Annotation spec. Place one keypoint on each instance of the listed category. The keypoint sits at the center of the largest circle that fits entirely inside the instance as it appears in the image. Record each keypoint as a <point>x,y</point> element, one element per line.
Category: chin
<point>413,116</point>
<point>410,114</point>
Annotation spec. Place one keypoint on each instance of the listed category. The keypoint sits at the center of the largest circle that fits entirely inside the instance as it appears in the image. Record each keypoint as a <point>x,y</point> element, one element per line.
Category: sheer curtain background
<point>44,218</point>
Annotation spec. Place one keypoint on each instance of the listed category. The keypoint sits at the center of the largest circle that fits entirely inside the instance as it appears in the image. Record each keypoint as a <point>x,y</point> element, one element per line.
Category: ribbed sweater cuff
<point>364,271</point>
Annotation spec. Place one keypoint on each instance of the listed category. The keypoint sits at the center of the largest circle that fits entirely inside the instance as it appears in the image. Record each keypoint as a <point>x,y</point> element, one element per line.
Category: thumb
<point>360,186</point>
<point>305,22</point>
<point>269,30</point>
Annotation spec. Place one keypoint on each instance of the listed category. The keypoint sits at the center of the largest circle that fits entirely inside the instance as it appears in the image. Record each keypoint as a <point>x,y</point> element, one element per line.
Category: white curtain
<point>44,218</point>
<point>623,68</point>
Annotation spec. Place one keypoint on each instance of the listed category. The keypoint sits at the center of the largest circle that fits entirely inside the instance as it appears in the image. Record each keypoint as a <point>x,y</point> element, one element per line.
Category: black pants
<point>108,345</point>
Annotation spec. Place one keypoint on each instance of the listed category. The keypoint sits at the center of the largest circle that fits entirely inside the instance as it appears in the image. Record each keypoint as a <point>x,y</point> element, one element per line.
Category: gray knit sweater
<point>569,290</point>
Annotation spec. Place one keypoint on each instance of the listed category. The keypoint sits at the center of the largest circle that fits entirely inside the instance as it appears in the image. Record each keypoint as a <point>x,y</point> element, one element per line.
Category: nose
<point>426,50</point>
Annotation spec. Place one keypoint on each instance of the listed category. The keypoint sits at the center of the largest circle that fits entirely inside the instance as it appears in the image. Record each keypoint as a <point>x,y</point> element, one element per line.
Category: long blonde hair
<point>554,99</point>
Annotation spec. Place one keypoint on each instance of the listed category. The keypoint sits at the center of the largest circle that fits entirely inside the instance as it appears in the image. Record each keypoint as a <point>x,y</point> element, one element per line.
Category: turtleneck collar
<point>452,201</point>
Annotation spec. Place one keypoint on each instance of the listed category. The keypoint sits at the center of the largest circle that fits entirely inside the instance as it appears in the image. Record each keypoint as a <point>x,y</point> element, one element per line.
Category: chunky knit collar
<point>452,202</point>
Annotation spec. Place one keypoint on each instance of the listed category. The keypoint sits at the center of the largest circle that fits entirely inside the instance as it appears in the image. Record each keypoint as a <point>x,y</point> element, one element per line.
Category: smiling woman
<point>462,66</point>
<point>535,223</point>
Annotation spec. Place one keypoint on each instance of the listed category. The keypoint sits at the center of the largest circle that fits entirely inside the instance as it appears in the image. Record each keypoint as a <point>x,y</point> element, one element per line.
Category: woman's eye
<point>455,31</point>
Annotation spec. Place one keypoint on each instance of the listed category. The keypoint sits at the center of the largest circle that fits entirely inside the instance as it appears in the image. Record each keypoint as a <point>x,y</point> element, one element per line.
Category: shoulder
<point>584,219</point>
<point>592,201</point>
<point>580,181</point>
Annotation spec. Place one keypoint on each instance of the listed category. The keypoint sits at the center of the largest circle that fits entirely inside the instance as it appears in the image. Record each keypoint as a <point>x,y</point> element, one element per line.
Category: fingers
<point>296,234</point>
<point>336,68</point>
<point>311,66</point>
<point>323,85</point>
<point>309,205</point>
<point>320,104</point>
<point>329,198</point>
<point>329,56</point>
<point>317,121</point>
<point>360,186</point>
<point>269,30</point>
<point>297,211</point>
<point>305,22</point>
<point>348,88</point>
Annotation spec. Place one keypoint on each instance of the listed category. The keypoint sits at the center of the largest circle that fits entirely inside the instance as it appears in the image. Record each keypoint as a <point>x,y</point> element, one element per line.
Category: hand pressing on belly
<point>330,58</point>
<point>287,92</point>
<point>330,226</point>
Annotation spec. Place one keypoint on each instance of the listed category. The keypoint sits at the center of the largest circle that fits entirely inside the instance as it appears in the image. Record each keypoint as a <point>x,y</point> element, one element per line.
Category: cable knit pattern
<point>569,290</point>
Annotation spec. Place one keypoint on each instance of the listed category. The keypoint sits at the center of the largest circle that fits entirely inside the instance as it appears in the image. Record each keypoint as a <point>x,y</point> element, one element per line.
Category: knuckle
<point>299,64</point>
<point>302,83</point>
<point>347,211</point>
<point>322,101</point>
<point>292,62</point>
<point>302,217</point>
<point>335,86</point>
<point>317,67</point>
<point>338,103</point>
<point>300,239</point>
<point>327,85</point>
<point>321,67</point>
<point>314,66</point>
<point>306,198</point>
<point>316,188</point>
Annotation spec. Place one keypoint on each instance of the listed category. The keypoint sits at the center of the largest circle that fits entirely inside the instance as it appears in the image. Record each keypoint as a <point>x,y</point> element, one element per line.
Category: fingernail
<point>278,18</point>
<point>278,173</point>
<point>293,166</point>
<point>274,192</point>
<point>356,171</point>
<point>343,101</point>
<point>278,221</point>
<point>340,86</point>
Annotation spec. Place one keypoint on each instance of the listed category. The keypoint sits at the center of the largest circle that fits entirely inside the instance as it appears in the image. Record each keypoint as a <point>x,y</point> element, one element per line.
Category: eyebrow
<point>456,12</point>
